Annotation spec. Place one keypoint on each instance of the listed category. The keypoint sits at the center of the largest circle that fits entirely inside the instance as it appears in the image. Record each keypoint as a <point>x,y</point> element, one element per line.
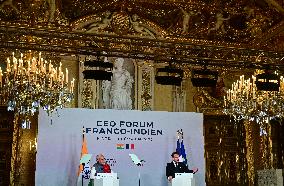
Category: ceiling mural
<point>217,33</point>
<point>239,21</point>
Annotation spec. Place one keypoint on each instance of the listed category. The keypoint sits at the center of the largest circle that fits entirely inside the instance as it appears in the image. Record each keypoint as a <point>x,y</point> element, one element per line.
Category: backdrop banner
<point>150,135</point>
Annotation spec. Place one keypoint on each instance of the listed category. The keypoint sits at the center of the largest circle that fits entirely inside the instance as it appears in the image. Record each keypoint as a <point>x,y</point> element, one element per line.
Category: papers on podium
<point>106,179</point>
<point>182,179</point>
<point>106,175</point>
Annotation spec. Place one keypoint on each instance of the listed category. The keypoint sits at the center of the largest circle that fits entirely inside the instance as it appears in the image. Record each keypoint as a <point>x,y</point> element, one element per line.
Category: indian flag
<point>84,151</point>
<point>119,146</point>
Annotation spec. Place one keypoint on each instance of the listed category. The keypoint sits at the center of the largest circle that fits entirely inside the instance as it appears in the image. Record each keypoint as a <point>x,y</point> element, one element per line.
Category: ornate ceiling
<point>243,21</point>
<point>226,30</point>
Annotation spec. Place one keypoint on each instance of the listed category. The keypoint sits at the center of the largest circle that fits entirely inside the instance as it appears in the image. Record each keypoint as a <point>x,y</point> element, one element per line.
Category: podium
<point>105,179</point>
<point>182,179</point>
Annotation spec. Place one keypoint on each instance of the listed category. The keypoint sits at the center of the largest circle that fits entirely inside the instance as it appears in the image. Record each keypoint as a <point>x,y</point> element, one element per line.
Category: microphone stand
<point>139,177</point>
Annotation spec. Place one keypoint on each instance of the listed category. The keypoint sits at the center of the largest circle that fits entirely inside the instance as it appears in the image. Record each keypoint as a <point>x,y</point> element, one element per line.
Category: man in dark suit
<point>177,167</point>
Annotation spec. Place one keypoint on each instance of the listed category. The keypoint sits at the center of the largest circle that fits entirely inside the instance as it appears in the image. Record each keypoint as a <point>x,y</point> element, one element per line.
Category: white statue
<point>51,10</point>
<point>95,27</point>
<point>121,86</point>
<point>185,22</point>
<point>219,23</point>
<point>9,3</point>
<point>141,28</point>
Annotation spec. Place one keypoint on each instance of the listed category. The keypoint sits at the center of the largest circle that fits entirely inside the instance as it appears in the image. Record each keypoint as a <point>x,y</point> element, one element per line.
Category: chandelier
<point>31,83</point>
<point>245,102</point>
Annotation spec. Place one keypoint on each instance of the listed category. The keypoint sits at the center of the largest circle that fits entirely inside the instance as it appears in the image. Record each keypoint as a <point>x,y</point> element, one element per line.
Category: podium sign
<point>183,179</point>
<point>105,179</point>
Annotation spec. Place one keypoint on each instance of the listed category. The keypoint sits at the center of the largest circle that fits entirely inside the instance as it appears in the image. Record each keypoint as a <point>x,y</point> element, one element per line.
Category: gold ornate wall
<point>225,151</point>
<point>6,137</point>
<point>224,35</point>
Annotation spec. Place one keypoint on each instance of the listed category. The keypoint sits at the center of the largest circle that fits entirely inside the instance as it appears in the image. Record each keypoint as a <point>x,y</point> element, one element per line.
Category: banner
<point>116,134</point>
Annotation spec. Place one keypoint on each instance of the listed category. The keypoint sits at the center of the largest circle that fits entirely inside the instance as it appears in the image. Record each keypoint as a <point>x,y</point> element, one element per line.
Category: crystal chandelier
<point>244,101</point>
<point>31,83</point>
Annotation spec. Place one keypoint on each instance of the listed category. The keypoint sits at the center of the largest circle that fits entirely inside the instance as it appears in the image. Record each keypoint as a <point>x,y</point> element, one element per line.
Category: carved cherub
<point>51,10</point>
<point>9,3</point>
<point>219,23</point>
<point>249,11</point>
<point>141,28</point>
<point>186,17</point>
<point>106,20</point>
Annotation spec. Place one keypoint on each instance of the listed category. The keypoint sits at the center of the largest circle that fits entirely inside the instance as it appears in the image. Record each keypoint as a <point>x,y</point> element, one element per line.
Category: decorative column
<point>268,174</point>
<point>16,155</point>
<point>24,149</point>
<point>252,150</point>
<point>179,98</point>
<point>89,91</point>
<point>266,146</point>
<point>145,79</point>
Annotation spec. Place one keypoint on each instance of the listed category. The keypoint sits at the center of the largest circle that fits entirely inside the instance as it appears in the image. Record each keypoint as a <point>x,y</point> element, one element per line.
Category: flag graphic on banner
<point>125,146</point>
<point>119,146</point>
<point>129,146</point>
<point>180,148</point>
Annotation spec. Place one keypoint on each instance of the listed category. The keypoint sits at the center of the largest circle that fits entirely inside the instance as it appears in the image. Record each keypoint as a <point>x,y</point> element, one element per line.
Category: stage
<point>152,136</point>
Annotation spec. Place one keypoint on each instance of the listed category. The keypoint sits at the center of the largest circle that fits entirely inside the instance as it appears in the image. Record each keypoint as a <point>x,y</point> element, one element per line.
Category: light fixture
<point>267,81</point>
<point>30,83</point>
<point>169,76</point>
<point>98,70</point>
<point>204,77</point>
<point>259,99</point>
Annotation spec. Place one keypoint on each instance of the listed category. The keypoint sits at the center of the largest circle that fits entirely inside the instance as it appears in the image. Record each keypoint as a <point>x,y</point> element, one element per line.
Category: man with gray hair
<point>101,166</point>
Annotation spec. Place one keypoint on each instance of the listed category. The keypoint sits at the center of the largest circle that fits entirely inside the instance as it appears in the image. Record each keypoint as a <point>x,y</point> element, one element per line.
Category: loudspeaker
<point>169,76</point>
<point>102,70</point>
<point>204,78</point>
<point>267,82</point>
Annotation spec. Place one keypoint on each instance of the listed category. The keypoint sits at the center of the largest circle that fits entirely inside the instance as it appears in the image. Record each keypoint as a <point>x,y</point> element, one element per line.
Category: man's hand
<point>195,170</point>
<point>170,178</point>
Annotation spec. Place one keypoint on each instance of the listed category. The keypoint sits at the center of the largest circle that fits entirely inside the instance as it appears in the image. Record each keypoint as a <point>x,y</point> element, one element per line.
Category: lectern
<point>183,179</point>
<point>105,179</point>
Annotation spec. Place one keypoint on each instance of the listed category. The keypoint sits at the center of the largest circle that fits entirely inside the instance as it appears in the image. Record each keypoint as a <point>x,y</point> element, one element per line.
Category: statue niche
<point>117,93</point>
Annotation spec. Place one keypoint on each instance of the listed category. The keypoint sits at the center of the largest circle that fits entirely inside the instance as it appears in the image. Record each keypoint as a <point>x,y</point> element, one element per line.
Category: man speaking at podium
<point>98,178</point>
<point>101,166</point>
<point>177,167</point>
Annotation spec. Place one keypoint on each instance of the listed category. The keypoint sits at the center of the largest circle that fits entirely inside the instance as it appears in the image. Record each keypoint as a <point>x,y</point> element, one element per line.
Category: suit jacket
<point>171,169</point>
<point>102,168</point>
<point>99,168</point>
